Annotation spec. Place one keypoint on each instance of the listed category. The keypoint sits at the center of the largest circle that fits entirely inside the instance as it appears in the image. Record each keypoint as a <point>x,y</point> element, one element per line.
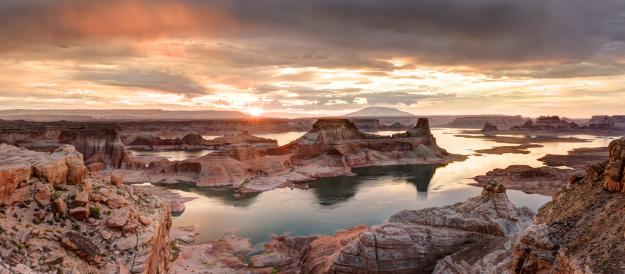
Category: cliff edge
<point>57,217</point>
<point>582,229</point>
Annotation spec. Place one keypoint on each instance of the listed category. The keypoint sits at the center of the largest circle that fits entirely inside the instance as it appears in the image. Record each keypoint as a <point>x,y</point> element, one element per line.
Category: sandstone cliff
<point>411,241</point>
<point>581,229</point>
<point>194,140</point>
<point>479,121</point>
<point>102,148</point>
<point>333,147</point>
<point>546,123</point>
<point>57,217</point>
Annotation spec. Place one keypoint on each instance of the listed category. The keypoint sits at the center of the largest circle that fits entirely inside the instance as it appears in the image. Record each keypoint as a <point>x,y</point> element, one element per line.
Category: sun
<point>255,111</point>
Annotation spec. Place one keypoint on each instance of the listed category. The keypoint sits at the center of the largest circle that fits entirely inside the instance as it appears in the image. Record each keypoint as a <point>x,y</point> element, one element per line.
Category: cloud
<point>154,80</point>
<point>326,33</point>
<point>340,53</point>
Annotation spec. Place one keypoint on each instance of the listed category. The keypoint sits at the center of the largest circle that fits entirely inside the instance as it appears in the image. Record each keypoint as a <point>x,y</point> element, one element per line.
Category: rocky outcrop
<point>411,241</point>
<point>605,121</point>
<point>18,165</point>
<point>194,141</point>
<point>615,168</point>
<point>43,232</point>
<point>546,123</point>
<point>99,145</point>
<point>581,229</point>
<point>479,121</point>
<point>375,125</point>
<point>540,180</point>
<point>333,147</point>
<point>338,144</point>
<point>489,127</point>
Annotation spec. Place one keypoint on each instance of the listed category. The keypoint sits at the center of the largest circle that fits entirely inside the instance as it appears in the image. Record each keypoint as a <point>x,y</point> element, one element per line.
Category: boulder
<point>97,198</point>
<point>82,199</point>
<point>145,220</point>
<point>116,201</point>
<point>117,178</point>
<point>118,218</point>
<point>82,247</point>
<point>59,206</point>
<point>17,196</point>
<point>106,235</point>
<point>43,193</point>
<point>95,167</point>
<point>177,207</point>
<point>86,185</point>
<point>80,213</point>
<point>12,169</point>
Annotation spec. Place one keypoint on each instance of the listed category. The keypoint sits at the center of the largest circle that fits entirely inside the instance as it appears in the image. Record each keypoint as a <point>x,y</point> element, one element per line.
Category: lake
<point>376,193</point>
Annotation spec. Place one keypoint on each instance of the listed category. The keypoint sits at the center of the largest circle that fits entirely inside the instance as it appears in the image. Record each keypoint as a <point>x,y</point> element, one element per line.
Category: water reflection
<point>330,191</point>
<point>333,204</point>
<point>226,197</point>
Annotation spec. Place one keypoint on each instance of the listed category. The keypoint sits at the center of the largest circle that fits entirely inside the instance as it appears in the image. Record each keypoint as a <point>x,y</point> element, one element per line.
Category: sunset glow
<point>256,111</point>
<point>188,55</point>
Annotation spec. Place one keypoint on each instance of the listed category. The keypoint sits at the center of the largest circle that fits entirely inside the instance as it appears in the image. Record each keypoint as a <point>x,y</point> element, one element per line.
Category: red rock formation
<point>410,241</point>
<point>479,121</point>
<point>581,229</point>
<point>549,123</point>
<point>333,147</point>
<point>99,146</point>
<point>195,141</point>
<point>57,167</point>
<point>142,238</point>
<point>615,169</point>
<point>489,127</point>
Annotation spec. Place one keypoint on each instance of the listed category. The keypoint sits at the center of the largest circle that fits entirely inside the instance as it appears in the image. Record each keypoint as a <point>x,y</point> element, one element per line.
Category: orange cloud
<point>123,18</point>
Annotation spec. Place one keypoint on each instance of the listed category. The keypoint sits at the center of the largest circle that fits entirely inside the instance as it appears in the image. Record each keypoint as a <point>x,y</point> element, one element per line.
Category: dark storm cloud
<point>329,33</point>
<point>154,80</point>
<point>560,71</point>
<point>445,31</point>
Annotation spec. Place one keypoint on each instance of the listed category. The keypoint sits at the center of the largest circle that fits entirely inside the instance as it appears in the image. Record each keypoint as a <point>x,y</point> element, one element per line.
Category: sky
<point>321,57</point>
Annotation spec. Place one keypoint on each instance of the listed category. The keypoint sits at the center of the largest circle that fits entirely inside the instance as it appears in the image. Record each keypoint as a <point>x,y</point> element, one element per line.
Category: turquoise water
<point>333,204</point>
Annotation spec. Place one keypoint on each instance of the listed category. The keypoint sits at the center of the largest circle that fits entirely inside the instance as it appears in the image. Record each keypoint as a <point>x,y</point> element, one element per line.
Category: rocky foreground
<point>57,218</point>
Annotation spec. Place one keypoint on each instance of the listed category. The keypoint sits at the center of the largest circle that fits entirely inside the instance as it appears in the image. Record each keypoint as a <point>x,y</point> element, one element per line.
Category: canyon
<point>484,234</point>
<point>84,166</point>
<point>332,148</point>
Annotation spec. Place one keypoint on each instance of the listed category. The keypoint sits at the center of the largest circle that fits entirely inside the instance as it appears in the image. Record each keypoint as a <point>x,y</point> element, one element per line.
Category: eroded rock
<point>59,206</point>
<point>82,247</point>
<point>80,213</point>
<point>82,199</point>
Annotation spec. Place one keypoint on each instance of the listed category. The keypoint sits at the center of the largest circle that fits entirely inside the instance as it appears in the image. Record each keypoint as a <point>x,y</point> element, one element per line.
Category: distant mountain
<point>45,115</point>
<point>379,112</point>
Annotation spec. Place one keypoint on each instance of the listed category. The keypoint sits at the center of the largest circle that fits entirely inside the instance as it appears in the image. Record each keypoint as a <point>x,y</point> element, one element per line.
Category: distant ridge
<point>379,112</point>
<point>85,115</point>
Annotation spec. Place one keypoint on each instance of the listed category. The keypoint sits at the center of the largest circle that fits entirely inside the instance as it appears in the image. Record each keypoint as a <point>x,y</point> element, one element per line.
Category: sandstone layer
<point>194,141</point>
<point>333,147</point>
<point>549,179</point>
<point>581,229</point>
<point>479,121</point>
<point>411,241</point>
<point>60,218</point>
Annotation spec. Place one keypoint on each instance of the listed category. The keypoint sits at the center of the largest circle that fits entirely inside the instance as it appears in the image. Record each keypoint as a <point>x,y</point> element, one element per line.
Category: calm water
<point>172,155</point>
<point>333,204</point>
